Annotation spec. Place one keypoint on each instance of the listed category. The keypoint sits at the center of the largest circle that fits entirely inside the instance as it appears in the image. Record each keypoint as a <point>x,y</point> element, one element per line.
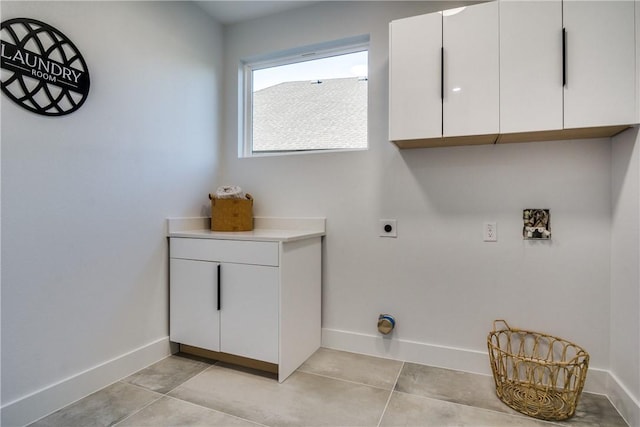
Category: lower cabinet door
<point>194,318</point>
<point>249,296</point>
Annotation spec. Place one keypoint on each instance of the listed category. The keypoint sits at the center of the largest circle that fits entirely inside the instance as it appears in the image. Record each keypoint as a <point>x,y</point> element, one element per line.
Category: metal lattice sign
<point>42,70</point>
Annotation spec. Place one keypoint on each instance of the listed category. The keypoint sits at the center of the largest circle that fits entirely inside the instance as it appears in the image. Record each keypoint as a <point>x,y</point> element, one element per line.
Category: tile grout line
<point>343,380</point>
<point>191,377</point>
<point>215,410</point>
<point>211,366</point>
<point>480,408</point>
<point>160,396</point>
<point>393,388</point>
<point>163,395</point>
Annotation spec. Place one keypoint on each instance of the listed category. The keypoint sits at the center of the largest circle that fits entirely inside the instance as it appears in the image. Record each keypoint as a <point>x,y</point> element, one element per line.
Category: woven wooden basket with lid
<point>231,214</point>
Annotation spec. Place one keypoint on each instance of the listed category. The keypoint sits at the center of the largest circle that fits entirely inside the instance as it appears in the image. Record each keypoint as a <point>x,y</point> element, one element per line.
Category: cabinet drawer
<point>234,251</point>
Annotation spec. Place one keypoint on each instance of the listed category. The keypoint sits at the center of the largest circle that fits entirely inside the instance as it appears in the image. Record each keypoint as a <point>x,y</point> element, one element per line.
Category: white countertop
<point>266,229</point>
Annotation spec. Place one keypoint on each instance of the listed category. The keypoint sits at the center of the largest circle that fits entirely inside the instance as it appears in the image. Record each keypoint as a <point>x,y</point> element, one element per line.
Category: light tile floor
<point>332,388</point>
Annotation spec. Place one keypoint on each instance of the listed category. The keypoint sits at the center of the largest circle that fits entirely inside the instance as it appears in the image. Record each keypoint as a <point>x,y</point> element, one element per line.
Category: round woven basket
<point>537,374</point>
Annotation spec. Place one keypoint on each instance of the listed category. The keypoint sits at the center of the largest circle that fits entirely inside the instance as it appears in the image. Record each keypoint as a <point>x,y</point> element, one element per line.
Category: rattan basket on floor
<point>537,374</point>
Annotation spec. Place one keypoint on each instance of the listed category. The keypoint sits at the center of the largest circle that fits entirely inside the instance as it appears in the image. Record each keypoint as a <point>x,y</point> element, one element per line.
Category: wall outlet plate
<point>490,232</point>
<point>388,228</point>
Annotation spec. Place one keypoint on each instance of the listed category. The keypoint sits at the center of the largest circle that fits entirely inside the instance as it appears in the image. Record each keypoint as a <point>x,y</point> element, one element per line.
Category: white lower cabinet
<point>257,300</point>
<point>240,318</point>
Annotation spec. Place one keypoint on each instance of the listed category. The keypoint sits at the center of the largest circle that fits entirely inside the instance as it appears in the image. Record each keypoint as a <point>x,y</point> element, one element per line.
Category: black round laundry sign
<point>42,70</point>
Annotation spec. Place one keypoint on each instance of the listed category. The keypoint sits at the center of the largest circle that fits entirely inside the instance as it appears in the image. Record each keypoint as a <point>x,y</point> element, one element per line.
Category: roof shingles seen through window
<point>307,115</point>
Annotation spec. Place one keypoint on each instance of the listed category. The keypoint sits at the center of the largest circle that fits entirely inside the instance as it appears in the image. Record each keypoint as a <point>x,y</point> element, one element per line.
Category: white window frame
<point>292,56</point>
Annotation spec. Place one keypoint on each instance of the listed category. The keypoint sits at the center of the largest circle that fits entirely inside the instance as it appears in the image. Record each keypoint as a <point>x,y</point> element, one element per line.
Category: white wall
<point>85,196</point>
<point>442,282</point>
<point>625,265</point>
<point>625,272</point>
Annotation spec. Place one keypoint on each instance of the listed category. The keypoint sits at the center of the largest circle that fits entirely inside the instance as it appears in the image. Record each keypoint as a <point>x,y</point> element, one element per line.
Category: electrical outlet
<point>490,231</point>
<point>388,228</point>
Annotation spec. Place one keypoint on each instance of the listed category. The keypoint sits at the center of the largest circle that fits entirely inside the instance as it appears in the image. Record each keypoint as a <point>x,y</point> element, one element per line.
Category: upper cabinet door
<point>600,60</point>
<point>471,71</point>
<point>415,107</point>
<point>530,65</point>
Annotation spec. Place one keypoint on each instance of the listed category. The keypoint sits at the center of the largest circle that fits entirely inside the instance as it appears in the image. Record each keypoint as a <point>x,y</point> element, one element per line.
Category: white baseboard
<point>408,351</point>
<point>623,401</point>
<point>36,405</point>
<point>459,359</point>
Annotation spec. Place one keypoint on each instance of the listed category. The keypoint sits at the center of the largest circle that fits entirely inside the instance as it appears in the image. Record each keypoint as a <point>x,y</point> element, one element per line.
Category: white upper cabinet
<point>514,71</point>
<point>415,106</point>
<point>530,65</point>
<point>600,63</point>
<point>444,76</point>
<point>637,3</point>
<point>471,71</point>
<point>566,65</point>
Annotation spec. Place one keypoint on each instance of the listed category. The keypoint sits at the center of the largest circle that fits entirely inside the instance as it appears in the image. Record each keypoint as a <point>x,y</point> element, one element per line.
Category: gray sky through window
<point>347,65</point>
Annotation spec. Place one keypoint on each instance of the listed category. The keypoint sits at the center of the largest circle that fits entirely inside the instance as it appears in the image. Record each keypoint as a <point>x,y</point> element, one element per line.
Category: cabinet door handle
<point>442,73</point>
<point>564,57</point>
<point>219,302</point>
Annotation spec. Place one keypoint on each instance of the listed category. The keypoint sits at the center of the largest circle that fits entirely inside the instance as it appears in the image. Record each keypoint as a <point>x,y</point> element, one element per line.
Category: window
<point>314,99</point>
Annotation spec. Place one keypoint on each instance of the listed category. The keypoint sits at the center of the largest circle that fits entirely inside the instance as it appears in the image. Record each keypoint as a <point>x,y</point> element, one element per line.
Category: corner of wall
<point>623,401</point>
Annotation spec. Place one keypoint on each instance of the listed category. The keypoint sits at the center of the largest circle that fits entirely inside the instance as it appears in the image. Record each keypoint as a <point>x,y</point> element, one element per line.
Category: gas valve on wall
<point>386,323</point>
